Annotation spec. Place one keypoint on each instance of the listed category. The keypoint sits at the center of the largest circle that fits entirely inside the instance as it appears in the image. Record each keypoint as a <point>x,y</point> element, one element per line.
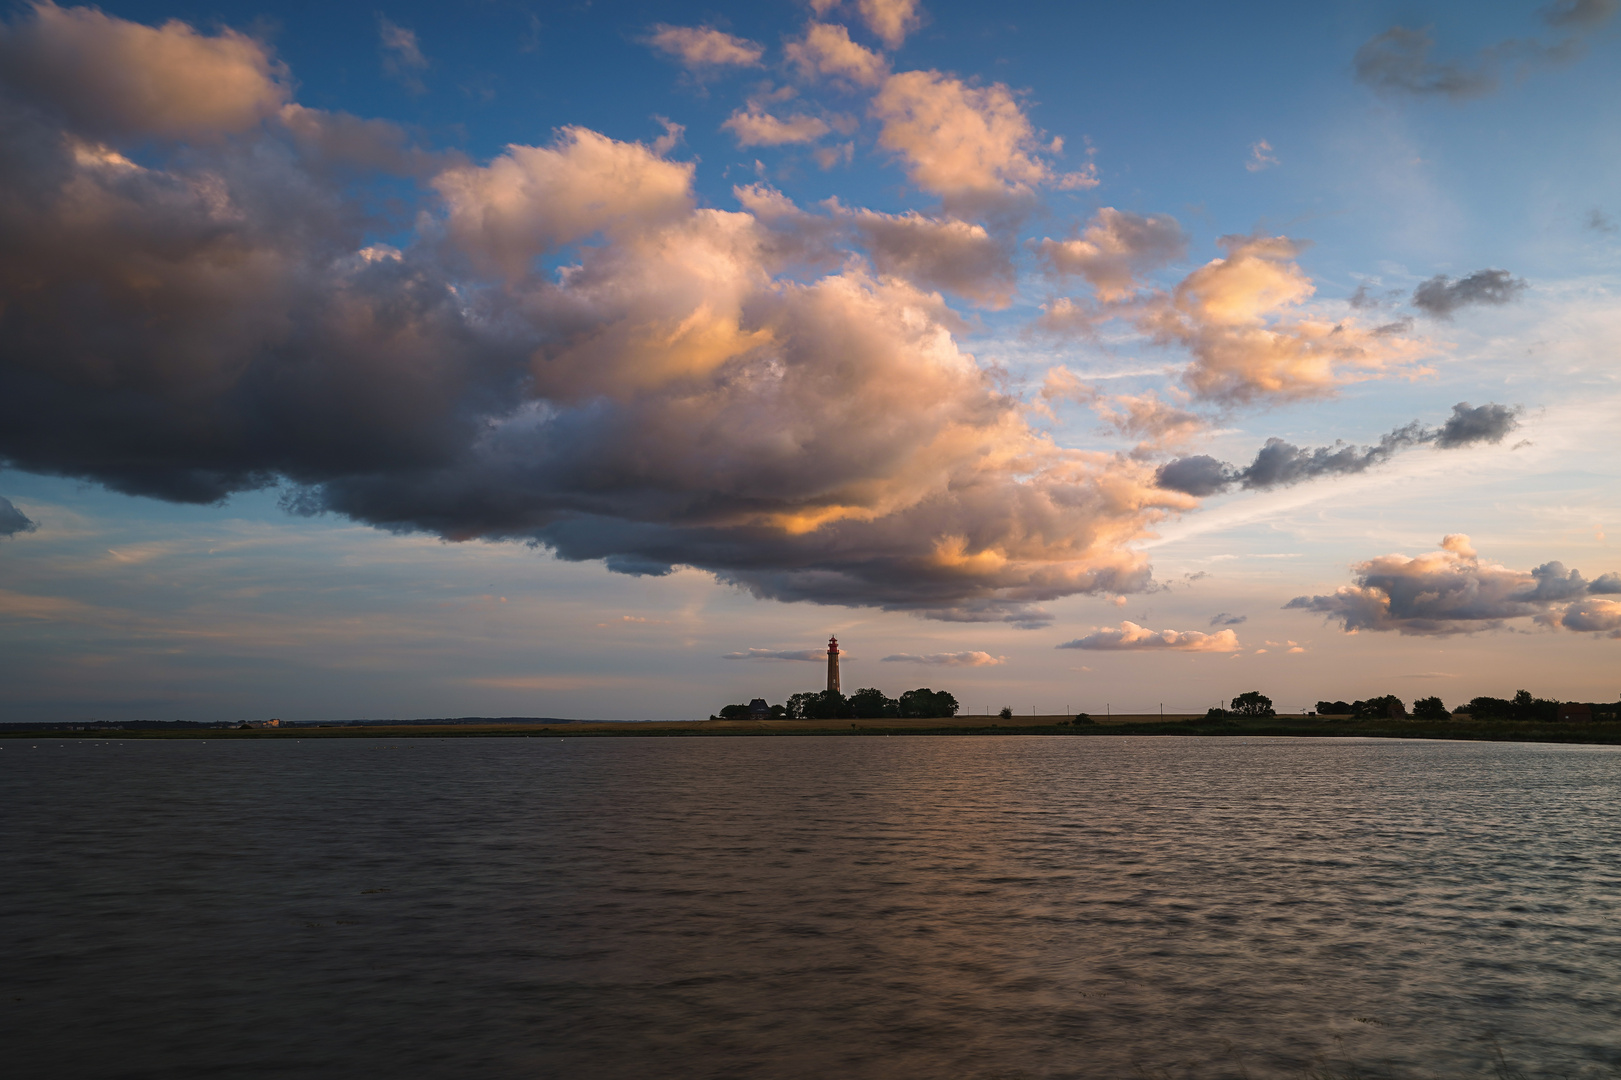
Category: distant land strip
<point>1590,732</point>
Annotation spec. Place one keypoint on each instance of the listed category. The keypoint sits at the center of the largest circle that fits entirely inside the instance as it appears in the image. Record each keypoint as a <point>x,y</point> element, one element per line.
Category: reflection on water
<point>967,907</point>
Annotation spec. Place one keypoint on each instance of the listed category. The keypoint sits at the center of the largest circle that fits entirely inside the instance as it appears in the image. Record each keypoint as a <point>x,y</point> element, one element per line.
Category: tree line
<point>868,703</point>
<point>1523,706</point>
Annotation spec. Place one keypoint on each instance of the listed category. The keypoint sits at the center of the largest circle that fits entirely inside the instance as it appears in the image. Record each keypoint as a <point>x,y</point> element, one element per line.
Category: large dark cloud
<point>13,520</point>
<point>1440,296</point>
<point>193,303</point>
<point>1454,591</point>
<point>1281,463</point>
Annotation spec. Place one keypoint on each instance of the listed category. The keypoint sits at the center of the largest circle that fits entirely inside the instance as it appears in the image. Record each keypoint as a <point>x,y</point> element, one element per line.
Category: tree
<point>1082,718</point>
<point>798,704</point>
<point>734,712</point>
<point>1489,708</point>
<point>828,705</point>
<point>869,703</point>
<point>1388,707</point>
<point>1333,708</point>
<point>1006,713</point>
<point>1526,707</point>
<point>1430,708</point>
<point>1253,703</point>
<point>924,702</point>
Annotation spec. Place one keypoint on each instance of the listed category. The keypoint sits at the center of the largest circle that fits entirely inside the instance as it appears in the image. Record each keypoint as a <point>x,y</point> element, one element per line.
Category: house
<point>1574,712</point>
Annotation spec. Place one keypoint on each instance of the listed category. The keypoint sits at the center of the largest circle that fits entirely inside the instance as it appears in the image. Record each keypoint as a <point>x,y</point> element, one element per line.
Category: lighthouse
<point>833,665</point>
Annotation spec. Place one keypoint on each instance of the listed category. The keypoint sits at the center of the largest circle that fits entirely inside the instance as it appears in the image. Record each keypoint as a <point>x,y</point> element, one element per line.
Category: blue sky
<point>905,341</point>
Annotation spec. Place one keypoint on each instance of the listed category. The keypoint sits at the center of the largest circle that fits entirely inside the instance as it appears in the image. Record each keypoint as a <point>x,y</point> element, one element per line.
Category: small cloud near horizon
<point>1129,637</point>
<point>956,659</point>
<point>782,654</point>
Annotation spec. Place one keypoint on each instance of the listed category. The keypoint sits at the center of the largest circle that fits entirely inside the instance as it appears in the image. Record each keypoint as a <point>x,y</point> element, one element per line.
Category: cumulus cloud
<point>1280,463</point>
<point>1116,249</point>
<point>1454,591</point>
<point>1236,316</point>
<point>826,51</point>
<point>104,75</point>
<point>1398,60</point>
<point>533,199</point>
<point>753,126</point>
<point>890,20</point>
<point>704,49</point>
<point>970,145</point>
<point>1128,636</point>
<point>944,253</point>
<point>1593,615</point>
<point>1145,416</point>
<point>562,348</point>
<point>1440,296</point>
<point>778,654</point>
<point>952,659</point>
<point>13,520</point>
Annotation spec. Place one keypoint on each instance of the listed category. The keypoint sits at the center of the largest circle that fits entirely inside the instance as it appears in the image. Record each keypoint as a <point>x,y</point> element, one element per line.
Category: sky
<point>601,360</point>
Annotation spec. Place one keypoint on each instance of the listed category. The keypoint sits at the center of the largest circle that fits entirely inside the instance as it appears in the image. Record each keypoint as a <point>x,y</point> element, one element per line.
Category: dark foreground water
<point>809,907</point>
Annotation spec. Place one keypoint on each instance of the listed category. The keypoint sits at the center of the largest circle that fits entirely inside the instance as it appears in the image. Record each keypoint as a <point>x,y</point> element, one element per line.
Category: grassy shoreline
<point>1606,733</point>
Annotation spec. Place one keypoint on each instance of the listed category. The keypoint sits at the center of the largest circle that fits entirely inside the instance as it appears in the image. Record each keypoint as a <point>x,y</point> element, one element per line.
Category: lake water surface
<point>967,907</point>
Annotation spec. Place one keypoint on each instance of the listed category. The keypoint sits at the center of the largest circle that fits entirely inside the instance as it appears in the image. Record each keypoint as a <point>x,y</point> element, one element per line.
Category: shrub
<point>1006,713</point>
<point>1081,718</point>
<point>1216,712</point>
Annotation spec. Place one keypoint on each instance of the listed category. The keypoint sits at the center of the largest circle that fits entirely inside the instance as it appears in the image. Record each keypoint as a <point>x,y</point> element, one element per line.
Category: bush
<point>1081,718</point>
<point>1430,708</point>
<point>1252,704</point>
<point>1216,712</point>
<point>1006,713</point>
<point>1333,708</point>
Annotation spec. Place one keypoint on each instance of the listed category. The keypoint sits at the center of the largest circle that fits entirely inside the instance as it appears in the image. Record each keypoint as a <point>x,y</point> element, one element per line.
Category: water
<point>970,907</point>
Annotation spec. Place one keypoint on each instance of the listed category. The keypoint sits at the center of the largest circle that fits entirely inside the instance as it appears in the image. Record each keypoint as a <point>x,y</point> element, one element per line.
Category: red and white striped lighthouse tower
<point>833,664</point>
